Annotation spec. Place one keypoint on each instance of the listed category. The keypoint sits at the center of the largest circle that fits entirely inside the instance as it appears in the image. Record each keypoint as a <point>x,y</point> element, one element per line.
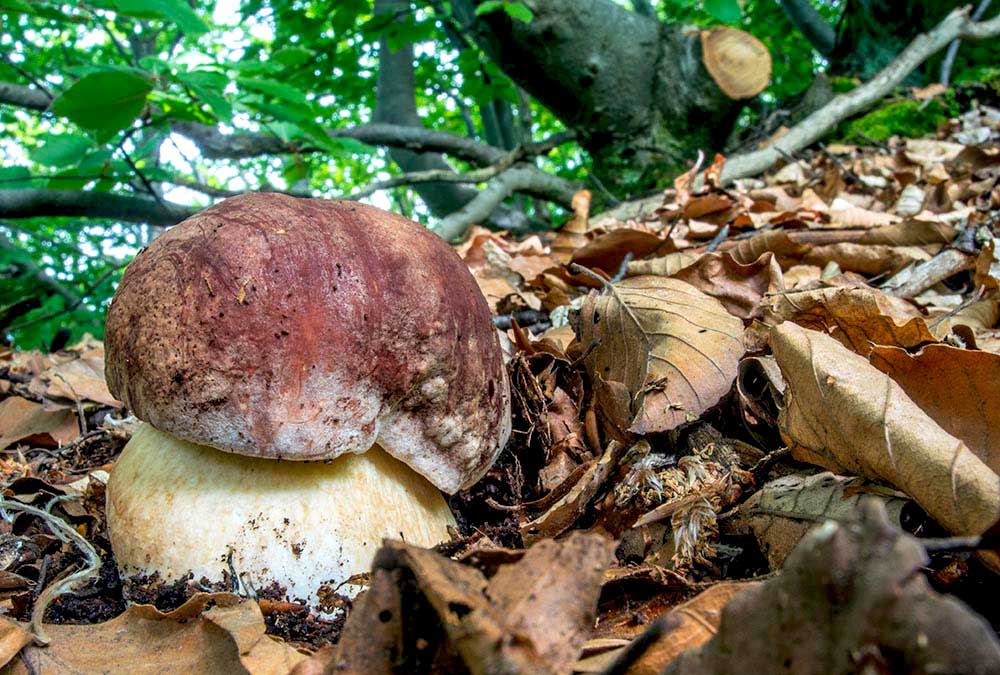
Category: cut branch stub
<point>738,62</point>
<point>661,353</point>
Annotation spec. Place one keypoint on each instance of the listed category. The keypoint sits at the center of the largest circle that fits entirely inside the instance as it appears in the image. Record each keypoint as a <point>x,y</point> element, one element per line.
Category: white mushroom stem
<point>176,508</point>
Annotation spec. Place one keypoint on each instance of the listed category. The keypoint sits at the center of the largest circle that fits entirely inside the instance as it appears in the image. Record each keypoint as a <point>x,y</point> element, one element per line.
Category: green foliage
<point>104,102</point>
<point>902,118</point>
<point>515,10</point>
<point>122,72</point>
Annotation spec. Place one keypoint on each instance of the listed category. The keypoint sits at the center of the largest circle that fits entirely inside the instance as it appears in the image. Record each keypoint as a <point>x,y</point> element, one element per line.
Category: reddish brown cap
<point>302,329</point>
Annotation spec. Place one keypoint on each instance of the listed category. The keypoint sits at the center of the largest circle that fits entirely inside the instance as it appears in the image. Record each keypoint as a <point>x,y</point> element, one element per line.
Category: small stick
<point>639,646</point>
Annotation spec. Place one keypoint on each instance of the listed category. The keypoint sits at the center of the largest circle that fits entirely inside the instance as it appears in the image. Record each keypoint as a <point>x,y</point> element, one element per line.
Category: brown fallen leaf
<point>423,609</point>
<point>856,317</point>
<point>607,251</point>
<point>561,515</point>
<point>689,625</point>
<point>573,234</point>
<point>784,510</point>
<point>848,594</point>
<point>844,415</point>
<point>958,388</point>
<point>740,288</point>
<point>774,241</point>
<point>664,351</point>
<point>210,633</point>
<point>80,380</point>
<point>869,259</point>
<point>663,266</point>
<point>24,420</point>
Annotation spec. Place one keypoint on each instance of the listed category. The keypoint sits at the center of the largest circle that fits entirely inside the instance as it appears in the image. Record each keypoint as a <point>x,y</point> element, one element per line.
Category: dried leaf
<point>607,251</point>
<point>784,510</point>
<point>227,637</point>
<point>958,388</point>
<point>856,317</point>
<point>844,415</point>
<point>689,625</point>
<point>24,420</point>
<point>664,266</point>
<point>531,616</point>
<point>847,592</point>
<point>673,349</point>
<point>739,287</point>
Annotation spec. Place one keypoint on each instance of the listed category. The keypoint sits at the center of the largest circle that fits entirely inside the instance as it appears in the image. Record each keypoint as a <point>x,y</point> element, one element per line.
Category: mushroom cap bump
<point>303,329</point>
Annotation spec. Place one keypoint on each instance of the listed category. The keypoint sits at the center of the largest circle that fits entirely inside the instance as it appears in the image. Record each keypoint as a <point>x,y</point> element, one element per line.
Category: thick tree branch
<point>34,203</point>
<point>811,24</point>
<point>949,58</point>
<point>23,96</point>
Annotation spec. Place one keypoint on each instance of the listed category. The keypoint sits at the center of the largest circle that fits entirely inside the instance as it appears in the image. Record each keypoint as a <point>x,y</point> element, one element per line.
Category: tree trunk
<point>396,104</point>
<point>635,90</point>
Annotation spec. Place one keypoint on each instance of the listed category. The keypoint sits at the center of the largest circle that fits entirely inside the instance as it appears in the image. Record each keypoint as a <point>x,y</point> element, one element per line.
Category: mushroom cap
<point>303,329</point>
<point>738,62</point>
<point>175,508</point>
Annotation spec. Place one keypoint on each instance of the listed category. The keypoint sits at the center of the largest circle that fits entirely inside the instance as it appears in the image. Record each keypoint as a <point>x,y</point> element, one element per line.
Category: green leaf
<point>489,6</point>
<point>15,178</point>
<point>273,88</point>
<point>60,149</point>
<point>518,11</point>
<point>208,85</point>
<point>175,11</point>
<point>515,10</point>
<point>104,102</point>
<point>724,11</point>
<point>293,56</point>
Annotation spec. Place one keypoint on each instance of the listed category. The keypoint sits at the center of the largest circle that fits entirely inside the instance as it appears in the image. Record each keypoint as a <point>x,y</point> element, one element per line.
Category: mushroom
<point>310,375</point>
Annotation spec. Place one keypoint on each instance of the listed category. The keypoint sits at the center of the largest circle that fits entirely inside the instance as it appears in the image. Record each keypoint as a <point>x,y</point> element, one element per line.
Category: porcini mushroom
<point>267,333</point>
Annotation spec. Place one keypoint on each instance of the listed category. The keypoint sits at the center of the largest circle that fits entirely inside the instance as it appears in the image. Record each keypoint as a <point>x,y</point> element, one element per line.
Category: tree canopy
<point>122,117</point>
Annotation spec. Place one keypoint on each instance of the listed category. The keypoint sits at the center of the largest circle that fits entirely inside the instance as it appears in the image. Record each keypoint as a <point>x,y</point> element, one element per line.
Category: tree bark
<point>396,104</point>
<point>633,89</point>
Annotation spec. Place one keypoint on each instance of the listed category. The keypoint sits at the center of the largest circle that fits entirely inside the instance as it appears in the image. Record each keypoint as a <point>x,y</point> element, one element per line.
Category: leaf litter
<point>754,429</point>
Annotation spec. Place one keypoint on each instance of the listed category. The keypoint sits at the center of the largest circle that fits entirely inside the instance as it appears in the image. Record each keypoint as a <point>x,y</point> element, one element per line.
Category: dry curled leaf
<point>844,415</point>
<point>784,510</point>
<point>423,609</point>
<point>665,351</point>
<point>210,633</point>
<point>847,592</point>
<point>958,388</point>
<point>856,317</point>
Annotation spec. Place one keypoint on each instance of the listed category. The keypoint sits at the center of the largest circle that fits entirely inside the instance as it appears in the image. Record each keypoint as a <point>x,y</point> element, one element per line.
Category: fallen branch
<point>478,176</point>
<point>911,282</point>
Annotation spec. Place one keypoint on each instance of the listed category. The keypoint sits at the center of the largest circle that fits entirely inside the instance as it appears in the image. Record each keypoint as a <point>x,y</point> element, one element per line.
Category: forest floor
<point>779,397</point>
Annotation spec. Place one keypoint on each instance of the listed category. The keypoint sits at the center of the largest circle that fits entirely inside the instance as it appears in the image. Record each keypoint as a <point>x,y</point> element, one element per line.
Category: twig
<point>79,406</point>
<point>949,58</point>
<point>623,266</point>
<point>477,176</point>
<point>911,282</point>
<point>719,237</point>
<point>65,532</point>
<point>640,645</point>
